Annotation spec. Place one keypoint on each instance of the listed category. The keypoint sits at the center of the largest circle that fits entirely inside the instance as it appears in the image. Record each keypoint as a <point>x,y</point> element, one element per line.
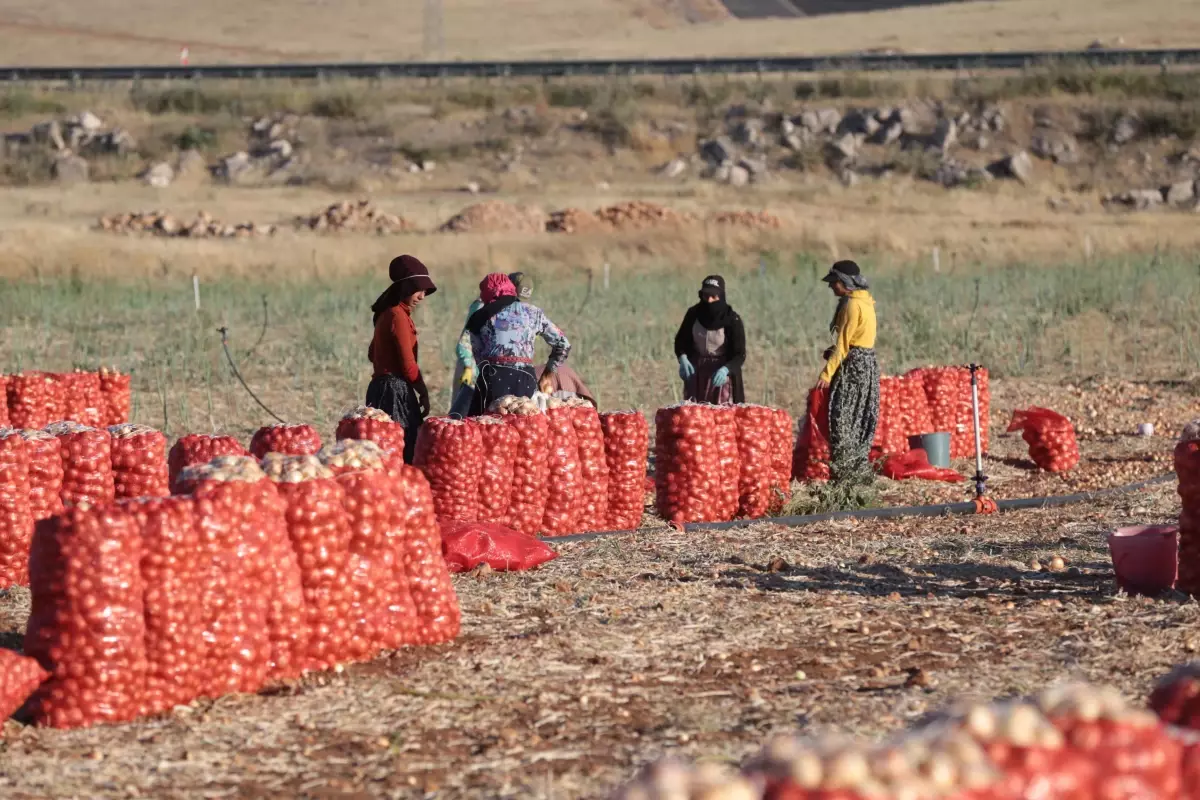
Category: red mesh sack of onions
<point>288,440</point>
<point>82,398</point>
<point>563,506</point>
<point>231,507</point>
<point>947,390</point>
<point>45,474</point>
<point>384,615</point>
<point>593,469</point>
<point>915,415</point>
<point>16,523</point>
<point>500,443</point>
<point>728,461</point>
<point>1187,467</point>
<point>139,461</point>
<point>428,577</point>
<point>174,597</point>
<point>87,464</point>
<point>531,472</point>
<point>4,420</point>
<point>626,451</point>
<point>20,677</point>
<point>781,457</point>
<point>115,389</point>
<point>372,425</point>
<point>810,459</point>
<point>450,453</point>
<point>1050,436</point>
<point>199,448</point>
<point>756,483</point>
<point>687,466</point>
<point>1176,697</point>
<point>319,531</point>
<point>33,400</point>
<point>87,622</point>
<point>890,436</point>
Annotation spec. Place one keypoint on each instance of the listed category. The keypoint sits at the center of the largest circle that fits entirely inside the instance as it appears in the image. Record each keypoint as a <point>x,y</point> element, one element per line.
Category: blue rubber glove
<point>720,377</point>
<point>686,370</point>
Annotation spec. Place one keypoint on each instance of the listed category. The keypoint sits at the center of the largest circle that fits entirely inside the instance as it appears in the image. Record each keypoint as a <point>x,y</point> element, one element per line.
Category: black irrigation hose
<point>229,357</point>
<point>895,512</point>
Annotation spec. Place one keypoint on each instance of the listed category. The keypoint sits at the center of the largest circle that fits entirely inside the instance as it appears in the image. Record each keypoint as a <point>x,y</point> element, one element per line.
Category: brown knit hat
<point>409,270</point>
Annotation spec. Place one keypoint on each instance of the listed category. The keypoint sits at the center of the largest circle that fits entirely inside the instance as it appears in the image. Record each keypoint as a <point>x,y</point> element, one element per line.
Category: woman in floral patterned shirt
<point>503,335</point>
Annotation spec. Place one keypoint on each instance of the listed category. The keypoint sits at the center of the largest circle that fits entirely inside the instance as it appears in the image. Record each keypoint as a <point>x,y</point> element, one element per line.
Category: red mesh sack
<point>1176,697</point>
<point>428,578</point>
<point>810,460</point>
<point>1050,436</point>
<point>781,457</point>
<point>1187,467</point>
<point>139,461</point>
<point>915,465</point>
<point>593,469</point>
<point>890,436</point>
<point>33,400</point>
<point>4,420</point>
<point>626,451</point>
<point>174,598</point>
<point>372,425</point>
<point>755,440</point>
<point>87,622</point>
<point>915,417</point>
<point>20,676</point>
<point>531,472</point>
<point>232,507</point>
<point>81,398</point>
<point>687,467</point>
<point>87,464</point>
<point>466,545</point>
<point>117,397</point>
<point>45,474</point>
<point>16,523</point>
<point>199,448</point>
<point>384,615</point>
<point>500,442</point>
<point>288,440</point>
<point>320,536</point>
<point>729,462</point>
<point>948,393</point>
<point>563,506</point>
<point>450,453</point>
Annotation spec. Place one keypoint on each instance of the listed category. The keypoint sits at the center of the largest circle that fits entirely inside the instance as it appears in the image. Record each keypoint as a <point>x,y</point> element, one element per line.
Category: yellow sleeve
<point>848,324</point>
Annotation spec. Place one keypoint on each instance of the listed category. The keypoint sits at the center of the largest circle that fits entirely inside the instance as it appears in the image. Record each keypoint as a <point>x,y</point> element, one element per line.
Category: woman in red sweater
<point>397,385</point>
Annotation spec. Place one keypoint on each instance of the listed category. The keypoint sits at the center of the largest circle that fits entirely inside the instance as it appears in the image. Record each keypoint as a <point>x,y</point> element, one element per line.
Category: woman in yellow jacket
<point>852,375</point>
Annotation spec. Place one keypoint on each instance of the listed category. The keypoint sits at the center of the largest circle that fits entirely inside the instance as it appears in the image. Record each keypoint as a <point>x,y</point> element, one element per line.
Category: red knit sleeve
<point>406,345</point>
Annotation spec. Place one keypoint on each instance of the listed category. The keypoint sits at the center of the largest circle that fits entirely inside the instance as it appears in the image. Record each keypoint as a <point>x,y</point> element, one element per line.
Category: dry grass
<point>69,31</point>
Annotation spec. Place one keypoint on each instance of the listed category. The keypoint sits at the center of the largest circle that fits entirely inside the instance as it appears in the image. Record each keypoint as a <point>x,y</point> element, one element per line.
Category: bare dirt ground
<point>568,678</point>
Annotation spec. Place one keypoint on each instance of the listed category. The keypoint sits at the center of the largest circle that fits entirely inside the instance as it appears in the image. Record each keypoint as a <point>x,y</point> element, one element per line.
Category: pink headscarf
<point>495,286</point>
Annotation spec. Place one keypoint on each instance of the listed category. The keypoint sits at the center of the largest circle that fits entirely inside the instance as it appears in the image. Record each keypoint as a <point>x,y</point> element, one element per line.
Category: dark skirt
<point>699,388</point>
<point>398,399</point>
<point>494,381</point>
<point>853,415</point>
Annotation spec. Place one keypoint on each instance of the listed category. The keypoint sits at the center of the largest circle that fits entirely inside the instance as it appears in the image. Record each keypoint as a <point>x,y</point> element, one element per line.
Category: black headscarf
<point>716,314</point>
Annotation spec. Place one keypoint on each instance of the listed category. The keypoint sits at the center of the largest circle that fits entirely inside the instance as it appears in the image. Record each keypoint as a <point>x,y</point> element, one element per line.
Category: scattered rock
<point>1179,194</point>
<point>717,151</point>
<point>1137,199</point>
<point>639,215</point>
<point>887,134</point>
<point>203,226</point>
<point>1018,165</point>
<point>159,175</point>
<point>355,217</point>
<point>750,220</point>
<point>673,168</point>
<point>1125,129</point>
<point>1054,145</point>
<point>232,167</point>
<point>951,173</point>
<point>89,122</point>
<point>70,169</point>
<point>944,135</point>
<point>471,187</point>
<point>191,165</point>
<point>843,150</point>
<point>757,167</point>
<point>49,133</point>
<point>749,132</point>
<point>738,176</point>
<point>859,123</point>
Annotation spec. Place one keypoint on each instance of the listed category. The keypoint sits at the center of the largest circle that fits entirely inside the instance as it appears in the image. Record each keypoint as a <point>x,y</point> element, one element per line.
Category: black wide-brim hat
<point>409,271</point>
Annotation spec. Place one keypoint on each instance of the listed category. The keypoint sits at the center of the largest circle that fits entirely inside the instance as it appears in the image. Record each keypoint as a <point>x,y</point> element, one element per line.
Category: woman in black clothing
<point>711,348</point>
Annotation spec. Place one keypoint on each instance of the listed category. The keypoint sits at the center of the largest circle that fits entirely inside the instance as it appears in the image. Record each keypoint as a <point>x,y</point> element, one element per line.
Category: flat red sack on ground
<point>16,522</point>
<point>1187,467</point>
<point>372,425</point>
<point>199,448</point>
<point>593,469</point>
<point>33,400</point>
<point>915,465</point>
<point>466,545</point>
<point>288,440</point>
<point>20,676</point>
<point>45,474</point>
<point>115,389</point>
<point>687,466</point>
<point>87,464</point>
<point>810,459</point>
<point>87,623</point>
<point>139,462</point>
<point>428,578</point>
<point>531,472</point>
<point>500,443</point>
<point>82,398</point>
<point>1050,436</point>
<point>450,454</point>
<point>626,452</point>
<point>756,486</point>
<point>565,484</point>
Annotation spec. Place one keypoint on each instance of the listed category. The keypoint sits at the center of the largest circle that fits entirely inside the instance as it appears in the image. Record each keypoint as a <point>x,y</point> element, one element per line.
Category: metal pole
<point>980,478</point>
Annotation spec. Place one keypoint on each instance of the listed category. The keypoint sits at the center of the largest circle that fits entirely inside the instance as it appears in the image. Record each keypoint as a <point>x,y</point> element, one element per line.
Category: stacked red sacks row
<point>139,461</point>
<point>810,459</point>
<point>450,453</point>
<point>33,400</point>
<point>20,676</point>
<point>87,464</point>
<point>199,448</point>
<point>891,434</point>
<point>1050,436</point>
<point>756,451</point>
<point>117,396</point>
<point>500,442</point>
<point>782,433</point>
<point>16,522</point>
<point>82,399</point>
<point>948,393</point>
<point>45,474</point>
<point>1187,468</point>
<point>370,424</point>
<point>687,466</point>
<point>531,472</point>
<point>593,469</point>
<point>729,463</point>
<point>438,614</point>
<point>37,399</point>
<point>289,440</point>
<point>565,484</point>
<point>626,444</point>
